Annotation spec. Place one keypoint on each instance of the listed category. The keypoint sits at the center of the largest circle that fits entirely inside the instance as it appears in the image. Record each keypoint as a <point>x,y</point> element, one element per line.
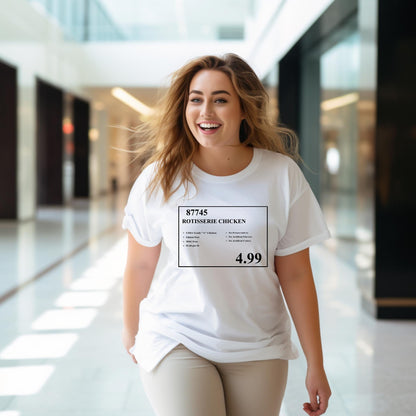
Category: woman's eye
<point>195,100</point>
<point>220,101</point>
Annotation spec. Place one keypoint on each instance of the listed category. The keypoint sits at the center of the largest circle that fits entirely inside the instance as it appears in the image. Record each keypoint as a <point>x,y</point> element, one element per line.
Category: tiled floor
<point>60,347</point>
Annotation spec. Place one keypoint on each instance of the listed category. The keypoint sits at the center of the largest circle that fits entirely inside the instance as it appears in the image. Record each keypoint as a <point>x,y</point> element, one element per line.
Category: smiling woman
<point>237,218</point>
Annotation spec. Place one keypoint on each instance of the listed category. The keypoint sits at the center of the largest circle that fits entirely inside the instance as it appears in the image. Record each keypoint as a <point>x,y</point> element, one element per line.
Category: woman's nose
<point>206,109</point>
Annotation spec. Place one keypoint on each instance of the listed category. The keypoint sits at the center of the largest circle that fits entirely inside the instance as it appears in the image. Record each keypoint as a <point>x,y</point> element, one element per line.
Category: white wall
<point>145,64</point>
<point>29,40</point>
<point>119,158</point>
<point>98,152</point>
<point>26,144</point>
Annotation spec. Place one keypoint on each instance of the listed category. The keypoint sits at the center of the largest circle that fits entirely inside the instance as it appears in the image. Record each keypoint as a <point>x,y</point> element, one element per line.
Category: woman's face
<point>213,110</point>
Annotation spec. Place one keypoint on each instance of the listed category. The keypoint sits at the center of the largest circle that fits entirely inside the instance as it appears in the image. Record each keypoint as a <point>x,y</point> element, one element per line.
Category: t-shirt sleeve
<point>305,222</point>
<point>140,214</point>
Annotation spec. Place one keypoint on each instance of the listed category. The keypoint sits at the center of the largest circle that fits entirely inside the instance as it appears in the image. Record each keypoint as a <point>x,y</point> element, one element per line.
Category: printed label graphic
<point>222,236</point>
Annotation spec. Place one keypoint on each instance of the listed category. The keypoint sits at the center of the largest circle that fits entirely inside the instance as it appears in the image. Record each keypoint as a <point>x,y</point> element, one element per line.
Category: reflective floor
<point>60,347</point>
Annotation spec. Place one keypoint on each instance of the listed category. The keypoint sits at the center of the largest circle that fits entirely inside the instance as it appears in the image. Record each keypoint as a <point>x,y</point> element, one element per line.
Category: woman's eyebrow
<point>220,92</point>
<point>213,93</point>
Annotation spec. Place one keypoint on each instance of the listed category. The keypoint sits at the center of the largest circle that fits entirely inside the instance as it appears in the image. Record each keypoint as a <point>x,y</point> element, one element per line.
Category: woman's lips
<point>209,127</point>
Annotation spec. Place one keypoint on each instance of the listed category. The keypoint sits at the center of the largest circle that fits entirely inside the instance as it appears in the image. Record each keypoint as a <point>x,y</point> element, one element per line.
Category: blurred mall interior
<point>76,78</point>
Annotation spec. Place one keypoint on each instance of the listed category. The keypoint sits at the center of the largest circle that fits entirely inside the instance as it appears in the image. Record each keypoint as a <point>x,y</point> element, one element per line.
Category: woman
<point>212,337</point>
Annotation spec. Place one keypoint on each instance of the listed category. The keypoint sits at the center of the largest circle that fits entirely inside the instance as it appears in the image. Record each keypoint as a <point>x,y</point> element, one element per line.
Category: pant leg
<point>254,388</point>
<point>184,384</point>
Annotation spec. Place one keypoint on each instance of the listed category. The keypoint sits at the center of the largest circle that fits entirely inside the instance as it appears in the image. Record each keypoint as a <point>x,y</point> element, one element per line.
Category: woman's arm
<point>296,279</point>
<point>140,268</point>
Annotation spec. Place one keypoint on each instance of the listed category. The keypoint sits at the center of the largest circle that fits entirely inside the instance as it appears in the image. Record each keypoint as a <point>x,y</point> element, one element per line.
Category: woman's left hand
<point>128,342</point>
<point>319,392</point>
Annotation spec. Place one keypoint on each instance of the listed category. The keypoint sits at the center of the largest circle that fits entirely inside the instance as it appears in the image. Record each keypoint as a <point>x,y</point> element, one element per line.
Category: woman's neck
<point>223,161</point>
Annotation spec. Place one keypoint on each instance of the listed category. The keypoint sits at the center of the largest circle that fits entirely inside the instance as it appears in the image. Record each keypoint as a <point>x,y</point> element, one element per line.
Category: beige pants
<point>185,384</point>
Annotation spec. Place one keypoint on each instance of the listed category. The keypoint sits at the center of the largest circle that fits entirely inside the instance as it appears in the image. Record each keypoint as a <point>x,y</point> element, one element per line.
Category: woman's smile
<point>208,127</point>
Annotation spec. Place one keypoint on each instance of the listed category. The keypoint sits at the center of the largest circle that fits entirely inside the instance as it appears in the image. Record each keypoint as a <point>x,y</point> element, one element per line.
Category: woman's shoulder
<point>277,160</point>
<point>141,183</point>
<point>283,168</point>
<point>146,174</point>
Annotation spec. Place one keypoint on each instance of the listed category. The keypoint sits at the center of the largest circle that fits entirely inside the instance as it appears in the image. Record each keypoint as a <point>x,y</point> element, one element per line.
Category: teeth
<point>209,125</point>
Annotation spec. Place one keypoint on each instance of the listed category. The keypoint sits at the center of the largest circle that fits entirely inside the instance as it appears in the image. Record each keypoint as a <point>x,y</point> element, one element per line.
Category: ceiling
<point>119,112</point>
<point>179,19</point>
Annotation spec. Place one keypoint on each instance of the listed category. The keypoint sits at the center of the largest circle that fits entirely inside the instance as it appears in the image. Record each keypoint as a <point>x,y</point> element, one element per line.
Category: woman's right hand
<point>128,342</point>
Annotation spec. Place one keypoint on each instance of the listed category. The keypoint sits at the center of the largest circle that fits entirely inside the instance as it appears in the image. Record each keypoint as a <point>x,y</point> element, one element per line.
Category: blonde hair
<point>168,141</point>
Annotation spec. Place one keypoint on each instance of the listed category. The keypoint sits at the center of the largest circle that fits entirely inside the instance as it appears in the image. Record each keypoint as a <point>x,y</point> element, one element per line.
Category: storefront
<point>335,90</point>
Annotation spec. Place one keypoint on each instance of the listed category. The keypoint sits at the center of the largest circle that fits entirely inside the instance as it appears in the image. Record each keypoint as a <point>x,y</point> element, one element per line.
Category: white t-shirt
<point>218,293</point>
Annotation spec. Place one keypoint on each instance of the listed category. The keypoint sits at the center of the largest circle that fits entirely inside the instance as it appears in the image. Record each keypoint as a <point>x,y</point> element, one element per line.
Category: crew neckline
<point>254,162</point>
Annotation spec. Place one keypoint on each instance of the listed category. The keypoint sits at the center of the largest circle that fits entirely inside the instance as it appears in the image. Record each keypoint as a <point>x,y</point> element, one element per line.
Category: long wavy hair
<point>167,140</point>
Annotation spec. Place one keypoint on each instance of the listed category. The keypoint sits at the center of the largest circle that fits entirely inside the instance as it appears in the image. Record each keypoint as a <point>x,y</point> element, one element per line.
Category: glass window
<point>155,20</point>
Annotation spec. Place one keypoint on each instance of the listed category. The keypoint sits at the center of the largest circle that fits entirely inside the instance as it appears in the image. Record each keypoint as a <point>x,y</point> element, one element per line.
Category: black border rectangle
<point>226,206</point>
